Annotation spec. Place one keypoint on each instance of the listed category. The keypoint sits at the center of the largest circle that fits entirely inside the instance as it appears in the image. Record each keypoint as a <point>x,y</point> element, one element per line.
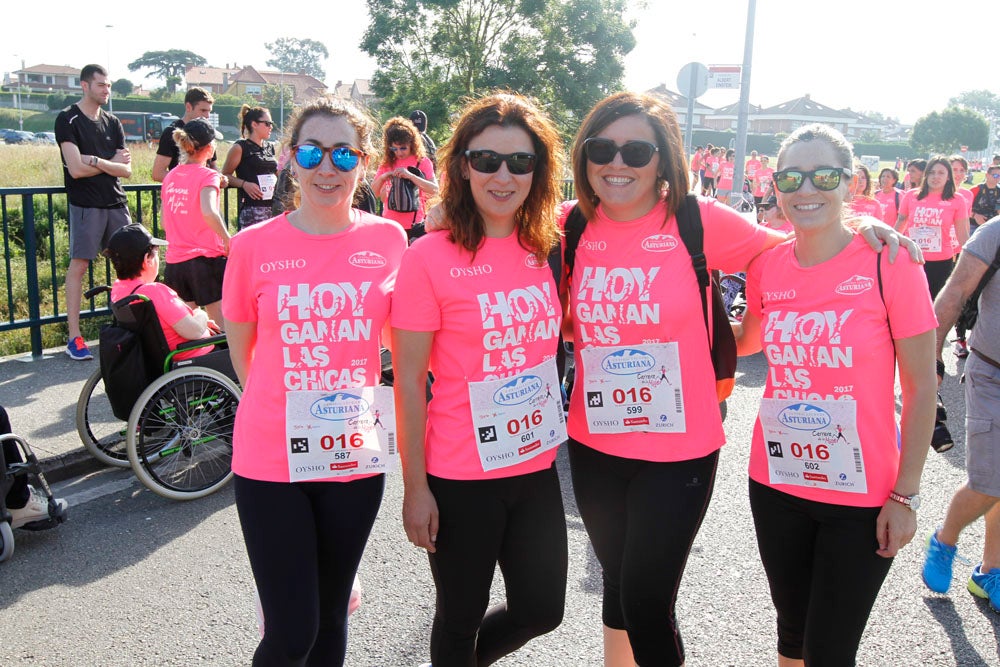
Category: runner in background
<point>889,195</point>
<point>861,201</point>
<point>762,180</point>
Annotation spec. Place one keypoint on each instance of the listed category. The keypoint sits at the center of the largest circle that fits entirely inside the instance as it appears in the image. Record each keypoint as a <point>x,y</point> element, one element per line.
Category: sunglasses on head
<point>488,162</point>
<point>344,158</point>
<point>634,153</point>
<point>824,178</point>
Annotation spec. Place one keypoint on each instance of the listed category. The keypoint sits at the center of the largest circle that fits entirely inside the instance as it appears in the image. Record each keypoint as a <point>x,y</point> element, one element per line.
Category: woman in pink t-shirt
<point>406,159</point>
<point>861,201</point>
<point>478,306</point>
<point>306,297</point>
<point>198,237</point>
<point>889,195</point>
<point>724,184</point>
<point>937,219</point>
<point>833,497</point>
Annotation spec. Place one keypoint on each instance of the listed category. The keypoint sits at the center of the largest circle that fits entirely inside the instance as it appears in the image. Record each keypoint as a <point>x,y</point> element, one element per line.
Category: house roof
<point>64,70</point>
<point>306,86</point>
<point>677,100</point>
<point>808,108</point>
<point>208,76</point>
<point>734,109</point>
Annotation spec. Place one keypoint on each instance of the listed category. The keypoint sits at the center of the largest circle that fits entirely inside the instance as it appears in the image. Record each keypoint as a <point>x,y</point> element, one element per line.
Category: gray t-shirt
<point>985,337</point>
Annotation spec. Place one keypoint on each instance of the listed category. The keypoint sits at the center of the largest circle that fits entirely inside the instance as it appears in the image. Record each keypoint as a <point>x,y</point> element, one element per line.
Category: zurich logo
<point>628,362</point>
<point>804,417</point>
<point>518,390</point>
<point>338,407</point>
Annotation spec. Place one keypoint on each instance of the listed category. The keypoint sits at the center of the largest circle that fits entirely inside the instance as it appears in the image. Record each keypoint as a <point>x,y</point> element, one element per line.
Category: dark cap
<point>769,202</point>
<point>419,120</point>
<point>131,241</point>
<point>201,132</point>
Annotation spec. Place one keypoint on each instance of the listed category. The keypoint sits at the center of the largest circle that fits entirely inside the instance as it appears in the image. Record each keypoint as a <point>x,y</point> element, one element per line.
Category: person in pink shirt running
<point>198,237</point>
<point>751,166</point>
<point>762,180</point>
<point>960,171</point>
<point>479,307</point>
<point>306,298</point>
<point>833,497</point>
<point>937,219</point>
<point>724,184</point>
<point>862,202</point>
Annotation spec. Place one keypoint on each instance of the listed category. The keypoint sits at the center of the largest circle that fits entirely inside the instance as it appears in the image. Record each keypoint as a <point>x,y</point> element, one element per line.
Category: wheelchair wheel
<point>6,541</point>
<point>180,433</point>
<point>101,432</point>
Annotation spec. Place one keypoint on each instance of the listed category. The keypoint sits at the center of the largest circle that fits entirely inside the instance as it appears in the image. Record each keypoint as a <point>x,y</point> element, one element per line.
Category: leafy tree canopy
<point>122,87</point>
<point>432,54</point>
<point>298,55</point>
<point>164,64</point>
<point>946,131</point>
<point>983,101</point>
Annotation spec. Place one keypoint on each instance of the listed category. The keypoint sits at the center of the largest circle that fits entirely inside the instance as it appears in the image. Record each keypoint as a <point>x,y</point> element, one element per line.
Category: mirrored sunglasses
<point>488,162</point>
<point>344,158</point>
<point>634,153</point>
<point>824,178</point>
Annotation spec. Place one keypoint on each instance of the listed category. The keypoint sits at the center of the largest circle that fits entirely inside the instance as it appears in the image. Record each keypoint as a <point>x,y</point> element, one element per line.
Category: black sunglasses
<point>634,153</point>
<point>488,162</point>
<point>269,123</point>
<point>824,178</point>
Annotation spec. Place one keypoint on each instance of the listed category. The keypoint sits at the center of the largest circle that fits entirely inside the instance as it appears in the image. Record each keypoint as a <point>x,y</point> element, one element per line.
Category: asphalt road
<point>132,579</point>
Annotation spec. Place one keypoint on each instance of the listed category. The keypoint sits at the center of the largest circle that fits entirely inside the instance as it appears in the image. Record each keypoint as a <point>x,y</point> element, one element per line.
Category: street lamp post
<point>20,108</point>
<point>111,100</point>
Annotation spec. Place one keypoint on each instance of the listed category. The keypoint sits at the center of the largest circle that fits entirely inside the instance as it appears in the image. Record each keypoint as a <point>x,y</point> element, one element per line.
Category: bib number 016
<point>341,441</point>
<point>817,452</point>
<point>514,426</point>
<point>632,395</point>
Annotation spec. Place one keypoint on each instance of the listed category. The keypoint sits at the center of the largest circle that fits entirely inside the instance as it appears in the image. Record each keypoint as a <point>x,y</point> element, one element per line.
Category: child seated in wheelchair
<point>26,504</point>
<point>134,253</point>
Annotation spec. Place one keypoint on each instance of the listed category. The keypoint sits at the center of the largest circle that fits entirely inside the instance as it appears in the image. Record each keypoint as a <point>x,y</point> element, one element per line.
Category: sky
<point>863,54</point>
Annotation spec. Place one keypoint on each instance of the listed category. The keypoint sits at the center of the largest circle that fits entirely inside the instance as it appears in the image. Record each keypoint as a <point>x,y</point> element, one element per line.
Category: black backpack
<point>404,197</point>
<point>721,340</point>
<point>127,365</point>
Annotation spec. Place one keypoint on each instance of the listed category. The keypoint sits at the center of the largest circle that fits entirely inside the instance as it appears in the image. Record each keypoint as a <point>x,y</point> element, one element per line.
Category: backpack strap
<point>692,232</point>
<point>990,272</point>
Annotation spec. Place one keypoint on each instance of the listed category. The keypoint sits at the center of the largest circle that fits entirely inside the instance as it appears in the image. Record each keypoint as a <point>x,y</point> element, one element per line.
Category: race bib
<point>267,183</point>
<point>927,239</point>
<point>634,388</point>
<point>335,434</point>
<point>518,418</point>
<point>813,443</point>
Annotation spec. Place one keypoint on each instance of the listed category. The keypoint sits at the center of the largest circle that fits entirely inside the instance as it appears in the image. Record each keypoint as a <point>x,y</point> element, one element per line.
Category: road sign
<point>724,76</point>
<point>692,80</point>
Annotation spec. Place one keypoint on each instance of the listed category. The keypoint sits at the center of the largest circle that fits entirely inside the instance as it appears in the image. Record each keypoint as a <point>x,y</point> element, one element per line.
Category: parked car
<point>45,137</point>
<point>4,132</point>
<point>19,137</point>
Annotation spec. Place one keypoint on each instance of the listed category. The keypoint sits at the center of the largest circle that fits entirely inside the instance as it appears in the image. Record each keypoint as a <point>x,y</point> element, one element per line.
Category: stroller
<point>17,463</point>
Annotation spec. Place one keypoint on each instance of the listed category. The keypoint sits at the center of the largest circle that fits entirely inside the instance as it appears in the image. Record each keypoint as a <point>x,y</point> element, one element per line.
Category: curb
<point>76,463</point>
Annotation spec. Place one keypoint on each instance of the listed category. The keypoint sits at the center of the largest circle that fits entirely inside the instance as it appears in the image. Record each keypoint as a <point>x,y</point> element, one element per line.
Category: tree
<point>946,131</point>
<point>165,64</point>
<point>122,87</point>
<point>298,55</point>
<point>432,54</point>
<point>983,101</point>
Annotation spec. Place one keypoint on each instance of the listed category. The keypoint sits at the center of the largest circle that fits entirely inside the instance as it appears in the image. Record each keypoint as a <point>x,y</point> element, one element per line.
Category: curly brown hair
<point>536,224</point>
<point>673,167</point>
<point>399,130</point>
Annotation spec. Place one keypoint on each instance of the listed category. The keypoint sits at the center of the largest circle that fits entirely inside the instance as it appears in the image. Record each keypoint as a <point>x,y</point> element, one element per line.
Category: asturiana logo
<point>338,407</point>
<point>659,243</point>
<point>532,262</point>
<point>855,285</point>
<point>804,417</point>
<point>366,259</point>
<point>518,390</point>
<point>628,362</point>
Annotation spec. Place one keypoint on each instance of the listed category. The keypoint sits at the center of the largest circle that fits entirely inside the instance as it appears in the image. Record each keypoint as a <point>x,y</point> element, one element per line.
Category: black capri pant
<point>824,573</point>
<point>642,518</point>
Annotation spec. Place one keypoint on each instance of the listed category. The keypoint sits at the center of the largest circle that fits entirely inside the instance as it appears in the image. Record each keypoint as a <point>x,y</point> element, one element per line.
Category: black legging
<point>823,572</point>
<point>17,496</point>
<point>517,522</point>
<point>305,541</point>
<point>642,518</point>
<point>937,274</point>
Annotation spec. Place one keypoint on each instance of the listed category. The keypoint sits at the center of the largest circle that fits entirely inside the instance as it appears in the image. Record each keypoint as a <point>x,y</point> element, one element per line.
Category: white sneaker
<point>36,509</point>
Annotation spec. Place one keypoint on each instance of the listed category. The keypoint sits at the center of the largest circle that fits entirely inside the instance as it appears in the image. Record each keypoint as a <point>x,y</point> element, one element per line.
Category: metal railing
<point>32,250</point>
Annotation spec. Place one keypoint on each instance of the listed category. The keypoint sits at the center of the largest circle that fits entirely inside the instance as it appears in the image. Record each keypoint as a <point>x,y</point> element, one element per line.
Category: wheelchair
<point>178,435</point>
<point>11,470</point>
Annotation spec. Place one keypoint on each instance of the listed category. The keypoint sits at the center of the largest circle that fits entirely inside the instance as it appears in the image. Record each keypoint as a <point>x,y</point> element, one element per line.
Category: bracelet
<point>93,160</point>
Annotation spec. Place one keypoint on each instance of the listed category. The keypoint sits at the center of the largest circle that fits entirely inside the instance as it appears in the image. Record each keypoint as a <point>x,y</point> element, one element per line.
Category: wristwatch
<point>913,502</point>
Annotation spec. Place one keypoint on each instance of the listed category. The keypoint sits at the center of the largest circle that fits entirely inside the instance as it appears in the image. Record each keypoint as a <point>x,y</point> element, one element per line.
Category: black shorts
<point>198,279</point>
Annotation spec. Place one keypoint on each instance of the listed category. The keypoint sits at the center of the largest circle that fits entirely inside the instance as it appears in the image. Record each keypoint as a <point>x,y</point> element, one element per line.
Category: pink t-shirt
<point>696,161</point>
<point>320,303</point>
<point>184,225</point>
<point>762,181</point>
<point>726,171</point>
<point>493,316</point>
<point>866,206</point>
<point>426,167</point>
<point>931,223</point>
<point>888,201</point>
<point>969,196</point>
<point>633,283</point>
<point>825,336</point>
<point>711,166</point>
<point>751,167</point>
<point>170,310</point>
